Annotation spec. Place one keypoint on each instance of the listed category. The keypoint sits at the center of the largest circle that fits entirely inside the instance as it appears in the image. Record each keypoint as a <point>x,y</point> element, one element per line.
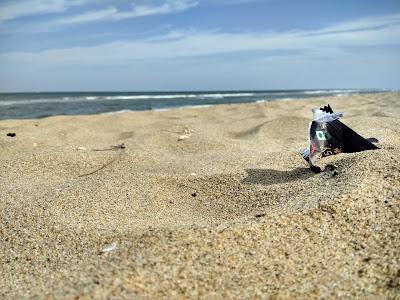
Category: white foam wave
<point>197,106</point>
<point>32,101</point>
<point>179,96</point>
<point>173,96</point>
<point>161,109</point>
<point>286,99</point>
<point>156,109</point>
<point>317,92</point>
<point>47,100</point>
<point>117,112</point>
<point>127,97</point>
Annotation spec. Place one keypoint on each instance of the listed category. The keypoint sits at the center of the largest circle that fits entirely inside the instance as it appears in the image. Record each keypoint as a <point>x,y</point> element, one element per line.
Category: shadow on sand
<point>270,176</point>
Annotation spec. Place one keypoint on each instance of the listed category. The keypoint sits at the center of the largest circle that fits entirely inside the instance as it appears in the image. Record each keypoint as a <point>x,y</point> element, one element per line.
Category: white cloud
<point>11,10</point>
<point>188,59</point>
<point>14,10</point>
<point>329,42</point>
<point>361,24</point>
<point>113,14</point>
<point>90,16</point>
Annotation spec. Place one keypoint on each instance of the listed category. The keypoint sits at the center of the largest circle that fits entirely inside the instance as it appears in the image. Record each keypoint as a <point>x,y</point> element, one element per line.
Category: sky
<point>181,45</point>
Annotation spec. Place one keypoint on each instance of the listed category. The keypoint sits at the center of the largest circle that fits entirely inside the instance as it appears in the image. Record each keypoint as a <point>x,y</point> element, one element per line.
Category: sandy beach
<point>211,202</point>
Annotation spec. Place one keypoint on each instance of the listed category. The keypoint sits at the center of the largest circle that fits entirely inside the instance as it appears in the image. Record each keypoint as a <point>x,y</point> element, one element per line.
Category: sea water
<point>39,105</point>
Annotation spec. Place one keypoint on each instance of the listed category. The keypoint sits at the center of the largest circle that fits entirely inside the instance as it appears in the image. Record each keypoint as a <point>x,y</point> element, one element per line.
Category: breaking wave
<point>36,105</point>
<point>125,97</point>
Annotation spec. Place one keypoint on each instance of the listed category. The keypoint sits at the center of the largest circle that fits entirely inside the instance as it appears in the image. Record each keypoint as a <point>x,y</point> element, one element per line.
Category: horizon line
<point>198,91</point>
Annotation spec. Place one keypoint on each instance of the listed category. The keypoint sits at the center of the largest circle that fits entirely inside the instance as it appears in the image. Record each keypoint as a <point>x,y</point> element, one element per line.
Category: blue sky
<point>152,45</point>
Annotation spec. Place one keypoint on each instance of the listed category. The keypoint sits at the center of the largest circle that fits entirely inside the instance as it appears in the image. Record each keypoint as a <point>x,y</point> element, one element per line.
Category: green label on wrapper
<point>320,135</point>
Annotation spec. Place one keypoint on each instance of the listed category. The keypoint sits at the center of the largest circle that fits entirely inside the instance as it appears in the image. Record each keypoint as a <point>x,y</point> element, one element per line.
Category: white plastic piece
<point>322,116</point>
<point>183,137</point>
<point>110,247</point>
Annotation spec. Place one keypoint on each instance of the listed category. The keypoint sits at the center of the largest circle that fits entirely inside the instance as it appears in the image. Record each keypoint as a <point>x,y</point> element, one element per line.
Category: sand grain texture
<point>230,212</point>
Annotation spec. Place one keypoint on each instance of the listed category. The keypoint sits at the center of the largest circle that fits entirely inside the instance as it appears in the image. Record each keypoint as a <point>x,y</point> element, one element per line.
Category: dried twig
<point>112,148</point>
<point>119,147</point>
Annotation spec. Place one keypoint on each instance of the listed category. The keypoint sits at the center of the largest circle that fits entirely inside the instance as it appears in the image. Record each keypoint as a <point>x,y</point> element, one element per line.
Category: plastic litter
<point>110,247</point>
<point>183,137</point>
<point>329,136</point>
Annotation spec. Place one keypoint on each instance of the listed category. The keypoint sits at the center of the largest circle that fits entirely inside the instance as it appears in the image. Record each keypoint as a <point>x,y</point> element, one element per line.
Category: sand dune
<point>231,211</point>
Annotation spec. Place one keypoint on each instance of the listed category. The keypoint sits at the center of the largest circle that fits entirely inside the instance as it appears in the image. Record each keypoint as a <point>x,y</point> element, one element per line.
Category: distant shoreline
<point>40,105</point>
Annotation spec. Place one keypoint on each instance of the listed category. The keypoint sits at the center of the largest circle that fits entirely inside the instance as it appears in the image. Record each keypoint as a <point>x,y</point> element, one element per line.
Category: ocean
<point>40,105</point>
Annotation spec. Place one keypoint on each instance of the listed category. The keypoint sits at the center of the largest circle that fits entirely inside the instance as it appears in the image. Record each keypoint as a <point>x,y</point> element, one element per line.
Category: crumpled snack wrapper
<point>329,136</point>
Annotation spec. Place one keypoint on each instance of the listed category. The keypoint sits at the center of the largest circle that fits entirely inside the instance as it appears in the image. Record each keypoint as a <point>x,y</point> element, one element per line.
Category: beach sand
<point>231,211</point>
